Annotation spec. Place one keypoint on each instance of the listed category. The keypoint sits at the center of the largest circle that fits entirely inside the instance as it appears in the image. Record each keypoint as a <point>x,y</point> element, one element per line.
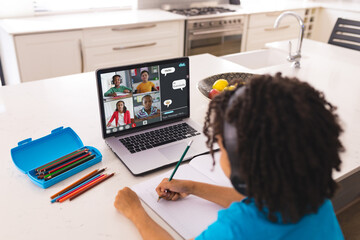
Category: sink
<point>258,58</point>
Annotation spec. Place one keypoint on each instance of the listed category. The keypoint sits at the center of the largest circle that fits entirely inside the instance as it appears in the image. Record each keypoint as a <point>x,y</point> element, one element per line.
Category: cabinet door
<point>49,55</point>
<point>128,44</point>
<point>326,21</point>
<point>144,51</point>
<point>261,31</point>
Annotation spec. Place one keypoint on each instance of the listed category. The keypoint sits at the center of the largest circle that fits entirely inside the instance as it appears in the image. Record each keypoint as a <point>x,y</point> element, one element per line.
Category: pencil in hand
<point>178,164</point>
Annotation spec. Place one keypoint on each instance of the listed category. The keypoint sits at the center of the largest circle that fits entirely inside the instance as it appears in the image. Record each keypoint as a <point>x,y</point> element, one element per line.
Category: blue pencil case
<point>31,154</point>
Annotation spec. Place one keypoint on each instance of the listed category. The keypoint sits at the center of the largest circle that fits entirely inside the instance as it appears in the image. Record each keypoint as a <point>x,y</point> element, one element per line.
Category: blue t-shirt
<point>245,221</point>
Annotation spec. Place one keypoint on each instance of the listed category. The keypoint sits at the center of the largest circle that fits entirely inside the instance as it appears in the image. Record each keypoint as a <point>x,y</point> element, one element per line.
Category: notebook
<point>191,215</point>
<point>145,114</point>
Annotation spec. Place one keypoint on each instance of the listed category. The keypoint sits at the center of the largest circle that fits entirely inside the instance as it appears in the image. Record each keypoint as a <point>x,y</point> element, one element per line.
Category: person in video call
<point>145,85</point>
<point>121,115</point>
<point>148,111</point>
<point>279,144</point>
<point>116,80</point>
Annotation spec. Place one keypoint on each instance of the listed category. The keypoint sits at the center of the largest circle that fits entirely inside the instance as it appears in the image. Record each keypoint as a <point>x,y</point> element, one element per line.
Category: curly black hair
<point>288,143</point>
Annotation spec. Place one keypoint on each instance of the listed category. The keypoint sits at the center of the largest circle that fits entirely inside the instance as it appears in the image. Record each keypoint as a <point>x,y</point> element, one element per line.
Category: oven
<point>218,35</point>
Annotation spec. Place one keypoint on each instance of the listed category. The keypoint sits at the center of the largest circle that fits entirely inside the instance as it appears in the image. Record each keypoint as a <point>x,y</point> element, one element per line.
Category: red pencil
<point>93,185</point>
<point>79,189</point>
<point>68,163</point>
<point>61,160</point>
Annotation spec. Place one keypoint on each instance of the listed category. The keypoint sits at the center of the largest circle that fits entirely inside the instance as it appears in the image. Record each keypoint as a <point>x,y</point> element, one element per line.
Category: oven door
<point>218,42</point>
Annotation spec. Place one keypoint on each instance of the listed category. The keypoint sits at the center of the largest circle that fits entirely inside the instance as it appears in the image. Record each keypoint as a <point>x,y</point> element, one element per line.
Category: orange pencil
<point>88,176</point>
<point>78,190</point>
<point>93,185</point>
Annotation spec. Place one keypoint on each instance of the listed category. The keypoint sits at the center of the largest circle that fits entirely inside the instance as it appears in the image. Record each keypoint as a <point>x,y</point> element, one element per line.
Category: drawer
<point>144,51</point>
<point>268,19</point>
<point>131,33</point>
<point>258,37</point>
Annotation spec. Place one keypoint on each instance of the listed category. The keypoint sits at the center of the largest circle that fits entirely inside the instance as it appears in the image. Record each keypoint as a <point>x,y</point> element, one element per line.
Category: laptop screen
<point>142,96</point>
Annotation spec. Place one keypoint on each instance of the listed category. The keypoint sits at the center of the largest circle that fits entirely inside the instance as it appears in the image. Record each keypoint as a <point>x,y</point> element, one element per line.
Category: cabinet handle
<point>272,14</point>
<point>215,31</point>
<point>81,56</point>
<point>133,28</point>
<point>134,46</point>
<point>275,29</point>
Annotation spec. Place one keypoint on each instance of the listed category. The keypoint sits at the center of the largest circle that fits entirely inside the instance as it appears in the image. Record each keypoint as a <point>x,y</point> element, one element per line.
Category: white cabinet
<point>261,31</point>
<point>122,45</point>
<point>49,55</point>
<point>45,55</point>
<point>326,20</point>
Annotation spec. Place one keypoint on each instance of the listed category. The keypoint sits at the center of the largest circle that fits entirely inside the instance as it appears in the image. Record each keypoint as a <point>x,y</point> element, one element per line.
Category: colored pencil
<point>74,189</point>
<point>81,188</point>
<point>42,174</point>
<point>68,163</point>
<point>78,182</point>
<point>67,168</point>
<point>60,159</point>
<point>93,185</point>
<point>178,164</point>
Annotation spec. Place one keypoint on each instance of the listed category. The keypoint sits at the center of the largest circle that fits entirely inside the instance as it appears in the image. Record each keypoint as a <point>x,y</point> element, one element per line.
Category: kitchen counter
<point>50,23</point>
<point>17,26</point>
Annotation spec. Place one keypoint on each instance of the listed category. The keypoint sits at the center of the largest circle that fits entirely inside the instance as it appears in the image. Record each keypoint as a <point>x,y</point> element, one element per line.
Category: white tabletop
<point>32,110</point>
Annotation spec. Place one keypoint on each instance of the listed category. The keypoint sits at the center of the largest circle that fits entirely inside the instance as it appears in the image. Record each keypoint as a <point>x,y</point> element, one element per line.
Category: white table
<point>32,110</point>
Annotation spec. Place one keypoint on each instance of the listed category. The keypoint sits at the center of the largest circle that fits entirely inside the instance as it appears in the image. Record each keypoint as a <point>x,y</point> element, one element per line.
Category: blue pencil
<point>54,200</point>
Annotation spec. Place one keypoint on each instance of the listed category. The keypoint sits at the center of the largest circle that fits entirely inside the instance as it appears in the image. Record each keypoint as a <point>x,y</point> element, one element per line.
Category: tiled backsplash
<point>143,4</point>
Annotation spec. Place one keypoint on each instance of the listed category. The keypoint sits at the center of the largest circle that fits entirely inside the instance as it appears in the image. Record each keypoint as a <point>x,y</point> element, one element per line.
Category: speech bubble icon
<point>179,84</point>
<point>167,102</point>
<point>167,70</point>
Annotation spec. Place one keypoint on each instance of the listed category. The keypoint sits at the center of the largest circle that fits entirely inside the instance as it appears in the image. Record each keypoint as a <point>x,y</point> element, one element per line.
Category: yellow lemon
<point>220,84</point>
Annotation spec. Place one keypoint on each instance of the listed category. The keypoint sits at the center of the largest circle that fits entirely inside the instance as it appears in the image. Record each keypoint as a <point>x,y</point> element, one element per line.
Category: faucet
<point>293,58</point>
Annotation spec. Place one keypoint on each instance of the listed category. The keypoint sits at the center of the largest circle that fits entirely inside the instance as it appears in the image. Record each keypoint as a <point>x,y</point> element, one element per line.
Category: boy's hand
<point>128,203</point>
<point>174,189</point>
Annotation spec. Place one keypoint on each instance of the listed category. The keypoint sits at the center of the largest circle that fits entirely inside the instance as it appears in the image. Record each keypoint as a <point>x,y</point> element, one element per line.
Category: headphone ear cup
<point>238,183</point>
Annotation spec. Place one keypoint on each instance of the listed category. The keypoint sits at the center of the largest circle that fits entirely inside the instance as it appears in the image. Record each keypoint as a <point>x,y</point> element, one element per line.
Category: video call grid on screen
<point>152,93</point>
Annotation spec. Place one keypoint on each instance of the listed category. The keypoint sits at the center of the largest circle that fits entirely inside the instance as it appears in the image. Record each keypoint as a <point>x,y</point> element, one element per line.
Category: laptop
<point>145,114</point>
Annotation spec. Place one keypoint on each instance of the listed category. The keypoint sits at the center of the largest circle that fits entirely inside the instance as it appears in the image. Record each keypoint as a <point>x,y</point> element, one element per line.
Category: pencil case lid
<point>30,154</point>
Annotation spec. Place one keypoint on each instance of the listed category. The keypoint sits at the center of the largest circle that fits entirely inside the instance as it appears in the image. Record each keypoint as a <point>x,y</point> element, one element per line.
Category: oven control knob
<point>202,24</point>
<point>230,21</point>
<point>239,20</point>
<point>220,22</point>
<point>225,22</point>
<point>195,25</point>
<point>211,23</point>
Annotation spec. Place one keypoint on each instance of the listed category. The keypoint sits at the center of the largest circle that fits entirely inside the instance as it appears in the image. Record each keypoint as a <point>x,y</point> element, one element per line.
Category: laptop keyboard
<point>158,137</point>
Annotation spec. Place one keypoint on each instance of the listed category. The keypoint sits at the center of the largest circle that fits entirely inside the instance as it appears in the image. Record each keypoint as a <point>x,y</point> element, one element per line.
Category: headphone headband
<point>231,145</point>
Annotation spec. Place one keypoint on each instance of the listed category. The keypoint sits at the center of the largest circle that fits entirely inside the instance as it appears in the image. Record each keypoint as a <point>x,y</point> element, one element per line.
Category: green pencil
<point>178,164</point>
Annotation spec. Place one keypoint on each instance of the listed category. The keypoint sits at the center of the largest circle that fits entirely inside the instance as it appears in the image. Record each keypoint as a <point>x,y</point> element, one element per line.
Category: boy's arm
<point>176,189</point>
<point>128,203</point>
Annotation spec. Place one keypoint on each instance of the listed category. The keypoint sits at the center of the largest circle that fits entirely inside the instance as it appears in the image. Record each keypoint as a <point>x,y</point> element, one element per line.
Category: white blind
<point>81,5</point>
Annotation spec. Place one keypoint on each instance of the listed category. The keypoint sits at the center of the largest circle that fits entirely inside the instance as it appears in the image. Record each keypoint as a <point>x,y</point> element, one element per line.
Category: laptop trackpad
<point>174,152</point>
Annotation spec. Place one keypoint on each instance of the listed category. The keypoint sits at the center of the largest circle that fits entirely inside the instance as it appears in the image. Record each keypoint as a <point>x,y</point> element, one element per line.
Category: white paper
<point>204,164</point>
<point>192,215</point>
